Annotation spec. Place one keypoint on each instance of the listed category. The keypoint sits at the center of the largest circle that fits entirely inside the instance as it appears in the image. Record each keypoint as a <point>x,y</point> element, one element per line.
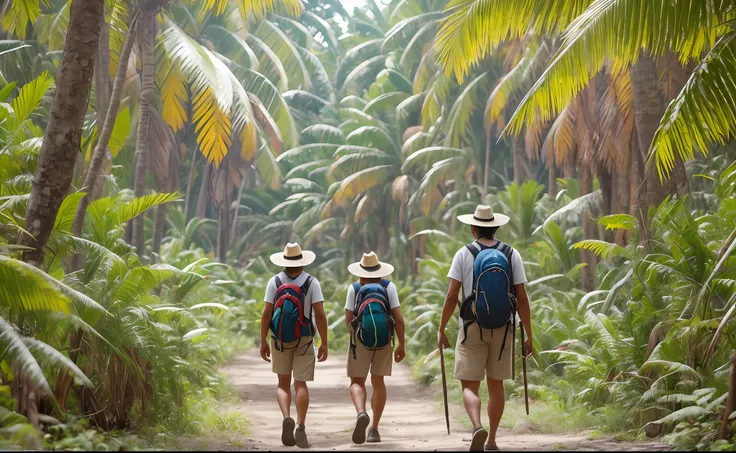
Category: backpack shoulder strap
<point>473,250</point>
<point>305,286</point>
<point>508,251</point>
<point>277,280</point>
<point>385,283</point>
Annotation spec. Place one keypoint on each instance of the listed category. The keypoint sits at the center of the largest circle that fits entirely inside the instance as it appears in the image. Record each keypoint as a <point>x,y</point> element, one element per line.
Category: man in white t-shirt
<point>377,359</point>
<point>481,352</point>
<point>297,356</point>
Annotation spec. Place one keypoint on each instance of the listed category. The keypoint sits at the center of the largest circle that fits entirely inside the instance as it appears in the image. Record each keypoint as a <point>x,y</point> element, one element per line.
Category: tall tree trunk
<point>108,121</point>
<point>621,188</point>
<point>521,165</point>
<point>486,166</point>
<point>589,231</point>
<point>103,85</point>
<point>64,131</point>
<point>648,111</point>
<point>243,182</point>
<point>221,187</point>
<point>605,180</point>
<point>204,189</point>
<point>146,34</point>
<point>551,179</point>
<point>190,181</point>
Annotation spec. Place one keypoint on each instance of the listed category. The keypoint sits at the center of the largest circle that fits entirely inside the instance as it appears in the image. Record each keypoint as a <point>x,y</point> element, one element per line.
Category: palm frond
<point>701,114</point>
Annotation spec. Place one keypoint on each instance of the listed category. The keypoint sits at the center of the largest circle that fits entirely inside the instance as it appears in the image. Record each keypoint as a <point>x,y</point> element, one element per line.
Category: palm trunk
<point>108,121</point>
<point>146,35</point>
<point>606,181</point>
<point>222,201</point>
<point>103,84</point>
<point>63,134</point>
<point>521,166</point>
<point>204,187</point>
<point>551,179</point>
<point>589,231</point>
<point>237,207</point>
<point>648,111</point>
<point>487,165</point>
<point>620,202</point>
<point>190,181</point>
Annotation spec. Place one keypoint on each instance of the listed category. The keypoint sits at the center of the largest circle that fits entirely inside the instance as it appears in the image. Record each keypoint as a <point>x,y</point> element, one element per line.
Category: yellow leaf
<point>174,95</point>
<point>249,140</point>
<point>212,126</point>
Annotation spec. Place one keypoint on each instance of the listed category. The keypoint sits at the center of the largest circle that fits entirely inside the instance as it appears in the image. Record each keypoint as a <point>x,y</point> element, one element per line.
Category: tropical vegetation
<point>153,154</point>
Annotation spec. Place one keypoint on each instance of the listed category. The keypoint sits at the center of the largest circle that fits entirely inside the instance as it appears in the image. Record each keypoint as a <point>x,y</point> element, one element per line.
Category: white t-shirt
<point>314,295</point>
<point>393,297</point>
<point>462,269</point>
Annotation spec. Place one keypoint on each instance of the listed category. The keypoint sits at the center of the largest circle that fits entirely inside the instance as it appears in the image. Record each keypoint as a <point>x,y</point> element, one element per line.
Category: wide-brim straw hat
<point>293,256</point>
<point>484,217</point>
<point>370,267</point>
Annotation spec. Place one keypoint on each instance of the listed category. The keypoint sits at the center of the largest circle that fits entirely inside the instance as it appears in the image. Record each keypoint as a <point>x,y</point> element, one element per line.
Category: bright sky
<point>350,4</point>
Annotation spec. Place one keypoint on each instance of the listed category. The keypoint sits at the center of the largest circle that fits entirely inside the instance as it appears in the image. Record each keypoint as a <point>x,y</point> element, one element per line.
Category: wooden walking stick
<point>444,389</point>
<point>523,370</point>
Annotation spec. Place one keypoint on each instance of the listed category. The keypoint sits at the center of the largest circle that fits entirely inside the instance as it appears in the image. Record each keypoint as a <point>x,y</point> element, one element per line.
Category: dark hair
<point>485,232</point>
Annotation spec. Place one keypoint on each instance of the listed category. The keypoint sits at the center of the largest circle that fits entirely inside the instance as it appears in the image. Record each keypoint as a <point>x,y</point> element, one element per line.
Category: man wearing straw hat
<point>372,302</point>
<point>294,357</point>
<point>481,352</point>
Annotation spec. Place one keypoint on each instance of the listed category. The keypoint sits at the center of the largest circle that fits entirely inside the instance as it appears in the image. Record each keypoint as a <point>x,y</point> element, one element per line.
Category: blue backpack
<point>373,324</point>
<point>492,304</point>
<point>289,322</point>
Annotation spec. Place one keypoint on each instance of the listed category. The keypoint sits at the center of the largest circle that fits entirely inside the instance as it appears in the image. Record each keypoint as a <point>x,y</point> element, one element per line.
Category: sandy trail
<point>412,419</point>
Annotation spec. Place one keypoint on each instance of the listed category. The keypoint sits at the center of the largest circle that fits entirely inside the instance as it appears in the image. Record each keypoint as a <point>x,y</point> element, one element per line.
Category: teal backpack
<point>373,324</point>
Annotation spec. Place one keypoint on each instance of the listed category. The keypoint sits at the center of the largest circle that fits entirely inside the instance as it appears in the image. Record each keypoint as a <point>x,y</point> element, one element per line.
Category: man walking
<point>492,276</point>
<point>372,314</point>
<point>293,304</point>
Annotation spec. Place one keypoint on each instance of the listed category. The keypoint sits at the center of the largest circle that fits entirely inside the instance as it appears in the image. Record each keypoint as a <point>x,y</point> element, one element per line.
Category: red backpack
<point>288,321</point>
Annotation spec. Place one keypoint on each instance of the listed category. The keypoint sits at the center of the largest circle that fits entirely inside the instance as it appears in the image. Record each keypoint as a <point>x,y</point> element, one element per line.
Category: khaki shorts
<point>297,359</point>
<point>477,358</point>
<point>378,362</point>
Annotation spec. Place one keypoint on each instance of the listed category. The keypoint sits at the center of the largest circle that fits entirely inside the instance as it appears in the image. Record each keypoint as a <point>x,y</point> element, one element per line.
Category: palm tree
<point>590,39</point>
<point>63,134</point>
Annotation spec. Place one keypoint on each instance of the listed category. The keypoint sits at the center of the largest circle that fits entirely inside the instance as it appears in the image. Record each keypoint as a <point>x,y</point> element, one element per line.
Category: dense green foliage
<point>344,131</point>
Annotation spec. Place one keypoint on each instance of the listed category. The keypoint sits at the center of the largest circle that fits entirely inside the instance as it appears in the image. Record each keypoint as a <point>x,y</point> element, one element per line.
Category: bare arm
<point>348,317</point>
<point>448,310</point>
<point>321,320</point>
<point>398,325</point>
<point>265,321</point>
<point>522,301</point>
<point>399,329</point>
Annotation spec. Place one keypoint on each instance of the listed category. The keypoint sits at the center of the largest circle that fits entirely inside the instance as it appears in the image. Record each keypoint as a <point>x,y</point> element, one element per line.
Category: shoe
<point>373,436</point>
<point>491,447</point>
<point>287,432</point>
<point>479,438</point>
<point>360,425</point>
<point>301,437</point>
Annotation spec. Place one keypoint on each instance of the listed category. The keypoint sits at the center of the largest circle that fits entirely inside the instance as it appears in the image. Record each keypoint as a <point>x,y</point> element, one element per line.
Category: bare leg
<point>496,401</point>
<point>378,399</point>
<point>302,401</point>
<point>283,394</point>
<point>358,393</point>
<point>471,400</point>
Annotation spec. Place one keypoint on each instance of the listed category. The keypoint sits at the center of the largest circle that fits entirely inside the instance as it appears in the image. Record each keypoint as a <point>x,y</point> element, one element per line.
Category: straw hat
<point>370,267</point>
<point>484,217</point>
<point>293,256</point>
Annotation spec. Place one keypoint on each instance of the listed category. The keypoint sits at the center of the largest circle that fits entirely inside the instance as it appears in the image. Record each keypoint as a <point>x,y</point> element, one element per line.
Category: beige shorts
<point>297,359</point>
<point>477,358</point>
<point>378,362</point>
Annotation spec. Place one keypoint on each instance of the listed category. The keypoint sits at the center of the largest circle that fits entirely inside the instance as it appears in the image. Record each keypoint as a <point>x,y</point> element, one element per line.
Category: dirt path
<point>411,421</point>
